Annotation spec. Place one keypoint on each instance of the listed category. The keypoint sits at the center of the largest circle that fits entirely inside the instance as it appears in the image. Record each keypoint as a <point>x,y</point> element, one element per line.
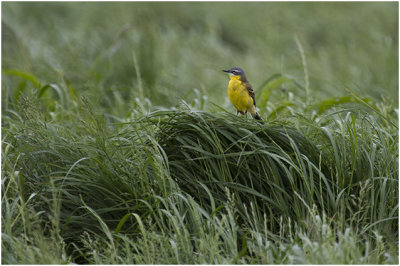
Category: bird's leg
<point>245,115</point>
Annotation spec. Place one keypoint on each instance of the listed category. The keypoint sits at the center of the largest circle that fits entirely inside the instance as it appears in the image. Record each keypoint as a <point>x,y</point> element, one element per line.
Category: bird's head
<point>236,73</point>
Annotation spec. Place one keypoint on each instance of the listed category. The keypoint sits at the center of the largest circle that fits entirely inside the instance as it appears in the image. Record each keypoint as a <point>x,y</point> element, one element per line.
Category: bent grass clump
<point>207,188</point>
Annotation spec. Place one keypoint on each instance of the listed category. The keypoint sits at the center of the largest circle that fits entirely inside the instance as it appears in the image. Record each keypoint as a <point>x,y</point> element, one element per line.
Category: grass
<point>125,147</point>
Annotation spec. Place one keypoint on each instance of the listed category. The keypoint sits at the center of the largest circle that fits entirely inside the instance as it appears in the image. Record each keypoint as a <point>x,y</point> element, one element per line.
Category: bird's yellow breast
<point>239,95</point>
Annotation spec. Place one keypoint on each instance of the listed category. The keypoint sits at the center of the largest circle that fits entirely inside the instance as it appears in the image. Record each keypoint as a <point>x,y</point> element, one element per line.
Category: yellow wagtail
<point>241,94</point>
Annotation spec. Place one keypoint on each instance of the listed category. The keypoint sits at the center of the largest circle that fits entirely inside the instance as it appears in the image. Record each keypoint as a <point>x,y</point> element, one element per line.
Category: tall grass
<point>103,163</point>
<point>177,179</point>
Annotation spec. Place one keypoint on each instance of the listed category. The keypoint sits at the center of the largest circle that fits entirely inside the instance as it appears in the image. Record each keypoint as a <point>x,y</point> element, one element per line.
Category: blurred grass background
<point>182,46</point>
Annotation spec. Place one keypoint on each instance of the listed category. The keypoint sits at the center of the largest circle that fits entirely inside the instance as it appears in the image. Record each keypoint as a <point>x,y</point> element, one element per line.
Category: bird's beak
<point>227,71</point>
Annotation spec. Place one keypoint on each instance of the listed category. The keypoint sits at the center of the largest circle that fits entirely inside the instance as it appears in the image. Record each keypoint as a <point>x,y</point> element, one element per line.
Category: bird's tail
<point>258,117</point>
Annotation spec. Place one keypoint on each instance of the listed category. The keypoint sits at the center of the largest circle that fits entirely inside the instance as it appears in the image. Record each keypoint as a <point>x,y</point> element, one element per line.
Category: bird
<point>240,93</point>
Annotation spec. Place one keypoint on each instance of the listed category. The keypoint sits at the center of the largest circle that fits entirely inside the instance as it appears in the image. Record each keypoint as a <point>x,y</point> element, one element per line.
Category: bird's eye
<point>235,72</point>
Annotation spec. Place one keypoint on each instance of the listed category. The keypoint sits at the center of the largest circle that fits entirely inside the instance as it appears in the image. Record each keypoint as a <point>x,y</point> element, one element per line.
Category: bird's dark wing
<point>251,92</point>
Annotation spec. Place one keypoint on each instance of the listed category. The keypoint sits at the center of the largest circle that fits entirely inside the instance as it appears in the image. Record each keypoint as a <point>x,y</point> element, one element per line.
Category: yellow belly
<point>239,96</point>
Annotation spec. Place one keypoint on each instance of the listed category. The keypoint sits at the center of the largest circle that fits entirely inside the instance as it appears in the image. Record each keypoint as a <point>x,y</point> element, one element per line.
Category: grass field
<point>119,145</point>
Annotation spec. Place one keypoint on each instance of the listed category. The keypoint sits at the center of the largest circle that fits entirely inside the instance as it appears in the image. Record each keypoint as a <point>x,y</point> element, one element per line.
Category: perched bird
<point>241,94</point>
